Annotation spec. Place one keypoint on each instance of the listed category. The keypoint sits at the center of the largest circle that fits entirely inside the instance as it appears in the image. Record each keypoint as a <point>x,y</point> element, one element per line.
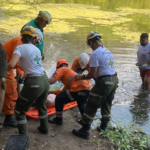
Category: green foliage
<point>124,138</point>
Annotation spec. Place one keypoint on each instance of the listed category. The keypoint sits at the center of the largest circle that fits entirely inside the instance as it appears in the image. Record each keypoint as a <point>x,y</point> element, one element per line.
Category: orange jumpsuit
<point>66,75</point>
<point>11,93</point>
<point>76,65</point>
<point>74,90</point>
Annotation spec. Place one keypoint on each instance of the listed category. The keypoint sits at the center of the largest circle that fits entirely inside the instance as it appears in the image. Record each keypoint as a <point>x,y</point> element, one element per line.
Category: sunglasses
<point>46,22</point>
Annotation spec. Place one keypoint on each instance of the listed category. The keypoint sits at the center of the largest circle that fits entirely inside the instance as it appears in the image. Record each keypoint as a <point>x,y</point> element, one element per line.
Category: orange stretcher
<point>33,113</point>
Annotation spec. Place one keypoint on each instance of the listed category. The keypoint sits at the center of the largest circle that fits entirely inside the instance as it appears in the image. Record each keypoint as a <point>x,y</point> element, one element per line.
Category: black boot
<point>10,121</point>
<point>103,126</point>
<point>56,120</point>
<point>82,132</point>
<point>42,131</point>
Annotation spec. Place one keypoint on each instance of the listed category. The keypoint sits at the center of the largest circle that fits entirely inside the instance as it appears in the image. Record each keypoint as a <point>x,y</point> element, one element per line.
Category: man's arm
<point>91,74</point>
<point>15,58</point>
<point>56,76</point>
<point>19,70</point>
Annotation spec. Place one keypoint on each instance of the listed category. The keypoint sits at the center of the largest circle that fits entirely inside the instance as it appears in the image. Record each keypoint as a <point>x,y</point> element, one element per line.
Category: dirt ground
<point>59,137</point>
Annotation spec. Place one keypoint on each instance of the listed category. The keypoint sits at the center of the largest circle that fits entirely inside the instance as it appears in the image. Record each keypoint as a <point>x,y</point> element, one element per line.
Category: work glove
<point>144,66</point>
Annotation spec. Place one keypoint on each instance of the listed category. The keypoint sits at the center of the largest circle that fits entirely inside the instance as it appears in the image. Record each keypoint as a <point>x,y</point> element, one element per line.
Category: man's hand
<point>144,66</point>
<point>21,79</point>
<point>78,77</point>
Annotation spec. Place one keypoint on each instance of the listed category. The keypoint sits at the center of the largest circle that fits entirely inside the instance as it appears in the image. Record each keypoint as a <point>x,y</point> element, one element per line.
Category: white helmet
<point>39,36</point>
<point>83,60</point>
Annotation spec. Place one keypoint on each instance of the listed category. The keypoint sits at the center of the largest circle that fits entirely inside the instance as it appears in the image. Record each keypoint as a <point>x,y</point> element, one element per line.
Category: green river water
<point>120,22</point>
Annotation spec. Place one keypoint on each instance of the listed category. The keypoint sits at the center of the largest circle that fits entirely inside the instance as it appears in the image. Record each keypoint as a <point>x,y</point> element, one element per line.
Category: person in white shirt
<point>36,84</point>
<point>102,94</point>
<point>143,57</point>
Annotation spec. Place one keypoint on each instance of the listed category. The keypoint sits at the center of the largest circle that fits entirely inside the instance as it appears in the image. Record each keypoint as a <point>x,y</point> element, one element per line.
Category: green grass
<point>125,138</point>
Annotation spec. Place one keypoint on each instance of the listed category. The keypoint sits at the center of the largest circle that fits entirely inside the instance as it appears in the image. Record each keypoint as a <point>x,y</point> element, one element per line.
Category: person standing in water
<point>102,94</point>
<point>143,57</point>
<point>36,84</point>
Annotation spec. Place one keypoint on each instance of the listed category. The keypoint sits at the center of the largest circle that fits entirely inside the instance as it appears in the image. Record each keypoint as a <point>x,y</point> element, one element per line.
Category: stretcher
<point>33,113</point>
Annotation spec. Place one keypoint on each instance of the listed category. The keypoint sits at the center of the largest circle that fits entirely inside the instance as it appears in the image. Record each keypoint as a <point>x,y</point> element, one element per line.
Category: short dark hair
<point>62,65</point>
<point>96,38</point>
<point>144,36</point>
<point>3,63</point>
<point>27,38</point>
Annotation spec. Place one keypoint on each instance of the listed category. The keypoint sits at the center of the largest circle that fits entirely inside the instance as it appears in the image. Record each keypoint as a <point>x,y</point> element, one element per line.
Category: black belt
<point>104,76</point>
<point>35,75</point>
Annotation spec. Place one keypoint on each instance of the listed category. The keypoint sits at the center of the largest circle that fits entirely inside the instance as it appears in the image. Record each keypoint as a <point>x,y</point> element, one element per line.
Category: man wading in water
<point>143,55</point>
<point>102,94</point>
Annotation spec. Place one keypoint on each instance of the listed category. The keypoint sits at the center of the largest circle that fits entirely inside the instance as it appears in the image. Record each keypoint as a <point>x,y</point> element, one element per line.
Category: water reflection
<point>107,4</point>
<point>139,108</point>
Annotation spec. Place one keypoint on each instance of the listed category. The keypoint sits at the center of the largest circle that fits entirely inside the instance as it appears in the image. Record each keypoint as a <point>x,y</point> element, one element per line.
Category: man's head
<point>61,63</point>
<point>144,39</point>
<point>93,40</point>
<point>43,18</point>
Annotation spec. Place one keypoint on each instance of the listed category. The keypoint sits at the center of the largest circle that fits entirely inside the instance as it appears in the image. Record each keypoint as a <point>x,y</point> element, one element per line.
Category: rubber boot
<point>10,121</point>
<point>103,126</point>
<point>42,131</point>
<point>82,132</point>
<point>56,120</point>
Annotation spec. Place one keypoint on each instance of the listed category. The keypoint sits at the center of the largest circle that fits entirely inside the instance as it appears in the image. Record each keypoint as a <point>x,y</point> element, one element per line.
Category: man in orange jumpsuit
<point>81,63</point>
<point>73,90</point>
<point>11,93</point>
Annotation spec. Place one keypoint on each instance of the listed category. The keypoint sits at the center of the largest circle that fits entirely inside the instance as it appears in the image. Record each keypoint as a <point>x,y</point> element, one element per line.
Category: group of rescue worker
<point>29,65</point>
<point>25,54</point>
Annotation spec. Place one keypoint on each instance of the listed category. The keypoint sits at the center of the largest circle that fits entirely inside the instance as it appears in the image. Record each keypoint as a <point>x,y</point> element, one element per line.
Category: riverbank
<point>59,137</point>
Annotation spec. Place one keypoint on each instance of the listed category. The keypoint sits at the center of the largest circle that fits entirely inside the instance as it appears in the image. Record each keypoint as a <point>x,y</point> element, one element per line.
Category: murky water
<point>120,24</point>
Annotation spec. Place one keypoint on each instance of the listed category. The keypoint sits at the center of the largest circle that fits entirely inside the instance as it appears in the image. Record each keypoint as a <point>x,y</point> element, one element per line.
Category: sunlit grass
<point>15,15</point>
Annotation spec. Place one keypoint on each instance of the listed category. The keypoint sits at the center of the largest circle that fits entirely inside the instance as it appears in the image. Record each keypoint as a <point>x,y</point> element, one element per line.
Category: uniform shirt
<point>143,55</point>
<point>33,24</point>
<point>66,75</point>
<point>30,59</point>
<point>103,59</point>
